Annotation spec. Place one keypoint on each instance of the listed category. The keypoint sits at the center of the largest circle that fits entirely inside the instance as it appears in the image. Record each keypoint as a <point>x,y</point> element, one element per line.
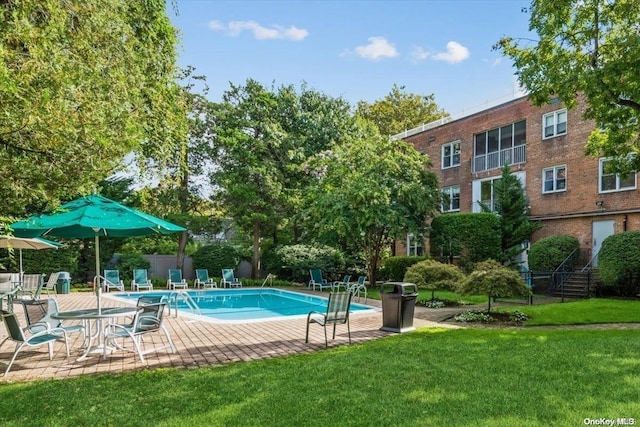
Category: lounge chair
<point>175,280</point>
<point>111,280</point>
<point>229,279</point>
<point>17,335</point>
<point>337,312</point>
<point>317,280</point>
<point>38,316</point>
<point>344,283</point>
<point>51,284</point>
<point>140,280</point>
<point>147,321</point>
<point>203,280</point>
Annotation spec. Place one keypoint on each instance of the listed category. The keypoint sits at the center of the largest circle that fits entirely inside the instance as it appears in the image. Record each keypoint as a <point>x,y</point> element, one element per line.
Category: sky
<point>356,50</point>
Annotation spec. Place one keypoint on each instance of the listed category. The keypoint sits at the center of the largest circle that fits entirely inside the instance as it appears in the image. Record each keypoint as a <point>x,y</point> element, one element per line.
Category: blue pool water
<point>246,304</point>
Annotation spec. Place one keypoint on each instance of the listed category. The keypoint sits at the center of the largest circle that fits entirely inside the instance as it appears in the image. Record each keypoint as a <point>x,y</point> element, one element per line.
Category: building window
<point>610,181</point>
<point>451,155</point>
<point>451,199</point>
<point>415,245</point>
<point>554,179</point>
<point>497,147</point>
<point>554,124</point>
<point>483,191</point>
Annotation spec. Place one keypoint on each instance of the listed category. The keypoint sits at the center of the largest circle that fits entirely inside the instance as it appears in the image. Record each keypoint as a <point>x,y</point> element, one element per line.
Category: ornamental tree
<point>492,279</point>
<point>587,48</point>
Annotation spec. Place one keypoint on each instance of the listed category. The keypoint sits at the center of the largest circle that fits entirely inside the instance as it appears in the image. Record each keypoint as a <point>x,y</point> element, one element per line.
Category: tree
<point>492,279</point>
<point>511,207</point>
<point>263,137</point>
<point>586,48</point>
<point>370,191</point>
<point>81,85</point>
<point>434,275</point>
<point>399,111</point>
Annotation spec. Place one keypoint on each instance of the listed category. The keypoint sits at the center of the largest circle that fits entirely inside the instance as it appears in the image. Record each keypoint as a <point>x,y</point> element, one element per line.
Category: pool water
<point>246,304</point>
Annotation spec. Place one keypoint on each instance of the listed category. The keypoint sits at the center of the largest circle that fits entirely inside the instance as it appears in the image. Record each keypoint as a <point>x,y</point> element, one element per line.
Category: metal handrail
<point>186,298</point>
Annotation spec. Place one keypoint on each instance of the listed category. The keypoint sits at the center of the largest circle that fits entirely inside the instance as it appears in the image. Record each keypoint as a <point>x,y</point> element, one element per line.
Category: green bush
<point>216,257</point>
<point>395,267</point>
<point>467,237</point>
<point>434,275</point>
<point>619,263</point>
<point>44,261</point>
<point>293,262</point>
<point>548,253</point>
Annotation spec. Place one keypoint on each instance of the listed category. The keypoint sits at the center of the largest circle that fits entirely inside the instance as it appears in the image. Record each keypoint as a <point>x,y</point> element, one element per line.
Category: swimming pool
<point>243,304</point>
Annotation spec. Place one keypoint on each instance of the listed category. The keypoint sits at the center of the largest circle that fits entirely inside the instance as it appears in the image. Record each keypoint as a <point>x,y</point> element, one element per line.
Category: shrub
<point>619,263</point>
<point>434,275</point>
<point>492,279</point>
<point>473,316</point>
<point>293,262</point>
<point>216,257</point>
<point>395,267</point>
<point>548,253</point>
<point>469,237</point>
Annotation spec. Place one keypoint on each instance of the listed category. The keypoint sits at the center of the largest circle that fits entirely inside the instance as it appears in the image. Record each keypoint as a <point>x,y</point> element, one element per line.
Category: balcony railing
<point>497,159</point>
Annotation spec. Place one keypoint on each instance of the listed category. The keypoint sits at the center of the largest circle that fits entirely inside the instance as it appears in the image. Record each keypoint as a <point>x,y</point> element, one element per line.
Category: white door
<point>601,230</point>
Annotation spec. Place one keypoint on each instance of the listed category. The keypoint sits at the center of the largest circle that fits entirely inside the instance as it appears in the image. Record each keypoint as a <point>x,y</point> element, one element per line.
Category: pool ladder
<point>177,296</point>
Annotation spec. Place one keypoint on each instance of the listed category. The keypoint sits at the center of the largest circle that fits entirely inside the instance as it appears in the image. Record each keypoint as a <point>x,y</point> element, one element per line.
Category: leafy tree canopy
<point>81,85</point>
<point>369,191</point>
<point>587,48</point>
<point>399,111</point>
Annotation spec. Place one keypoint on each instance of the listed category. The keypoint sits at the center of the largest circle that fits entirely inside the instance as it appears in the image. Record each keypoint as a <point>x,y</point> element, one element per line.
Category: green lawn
<point>467,377</point>
<point>464,377</point>
<point>591,311</point>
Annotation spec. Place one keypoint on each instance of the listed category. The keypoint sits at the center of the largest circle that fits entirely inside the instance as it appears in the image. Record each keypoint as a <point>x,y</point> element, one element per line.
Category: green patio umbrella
<point>94,216</point>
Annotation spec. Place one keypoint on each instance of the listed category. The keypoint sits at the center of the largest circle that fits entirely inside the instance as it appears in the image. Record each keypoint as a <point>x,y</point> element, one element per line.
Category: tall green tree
<point>399,111</point>
<point>263,138</point>
<point>81,85</point>
<point>370,191</point>
<point>587,48</point>
<point>511,207</point>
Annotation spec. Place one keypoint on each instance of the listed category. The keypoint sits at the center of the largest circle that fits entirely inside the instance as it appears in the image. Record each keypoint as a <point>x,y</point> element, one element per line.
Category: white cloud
<point>419,54</point>
<point>275,32</point>
<point>377,48</point>
<point>455,53</point>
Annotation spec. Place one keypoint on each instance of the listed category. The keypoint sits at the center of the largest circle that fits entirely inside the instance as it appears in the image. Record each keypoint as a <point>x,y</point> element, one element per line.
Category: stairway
<point>578,285</point>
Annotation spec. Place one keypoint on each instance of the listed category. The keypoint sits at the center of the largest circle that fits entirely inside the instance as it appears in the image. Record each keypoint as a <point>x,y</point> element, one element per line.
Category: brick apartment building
<point>568,192</point>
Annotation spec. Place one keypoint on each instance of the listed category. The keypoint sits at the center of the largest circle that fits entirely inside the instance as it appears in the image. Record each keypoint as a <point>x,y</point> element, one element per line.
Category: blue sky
<point>356,49</point>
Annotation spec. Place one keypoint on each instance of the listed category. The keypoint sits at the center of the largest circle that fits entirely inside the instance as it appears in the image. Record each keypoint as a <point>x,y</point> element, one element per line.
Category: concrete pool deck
<point>198,343</point>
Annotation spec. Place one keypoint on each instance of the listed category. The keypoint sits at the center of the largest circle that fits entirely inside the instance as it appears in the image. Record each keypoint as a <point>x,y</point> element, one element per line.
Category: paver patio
<point>198,343</point>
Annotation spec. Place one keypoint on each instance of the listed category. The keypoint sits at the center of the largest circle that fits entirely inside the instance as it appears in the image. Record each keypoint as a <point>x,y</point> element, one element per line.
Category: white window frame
<point>476,189</point>
<point>415,245</point>
<point>554,115</point>
<point>555,170</point>
<point>448,192</point>
<point>601,163</point>
<point>451,145</point>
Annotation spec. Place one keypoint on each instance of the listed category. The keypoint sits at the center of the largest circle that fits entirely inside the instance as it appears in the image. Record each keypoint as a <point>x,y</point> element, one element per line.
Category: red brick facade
<point>570,211</point>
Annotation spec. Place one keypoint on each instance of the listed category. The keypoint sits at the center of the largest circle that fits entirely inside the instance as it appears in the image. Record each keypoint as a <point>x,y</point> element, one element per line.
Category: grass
<point>423,294</point>
<point>591,311</point>
<point>466,377</point>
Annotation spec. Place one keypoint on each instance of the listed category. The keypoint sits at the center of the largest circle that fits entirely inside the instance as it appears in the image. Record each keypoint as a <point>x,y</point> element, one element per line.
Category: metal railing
<point>497,159</point>
<point>177,296</point>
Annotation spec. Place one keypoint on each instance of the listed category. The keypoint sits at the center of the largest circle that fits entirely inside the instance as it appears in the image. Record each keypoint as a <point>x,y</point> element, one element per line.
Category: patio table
<point>95,341</point>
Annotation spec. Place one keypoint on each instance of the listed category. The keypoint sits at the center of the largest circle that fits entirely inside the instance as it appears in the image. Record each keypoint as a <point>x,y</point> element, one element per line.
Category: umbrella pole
<point>21,271</point>
<point>96,279</point>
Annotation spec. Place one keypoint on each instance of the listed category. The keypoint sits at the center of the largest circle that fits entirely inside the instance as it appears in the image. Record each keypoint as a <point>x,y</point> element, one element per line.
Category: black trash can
<point>398,305</point>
